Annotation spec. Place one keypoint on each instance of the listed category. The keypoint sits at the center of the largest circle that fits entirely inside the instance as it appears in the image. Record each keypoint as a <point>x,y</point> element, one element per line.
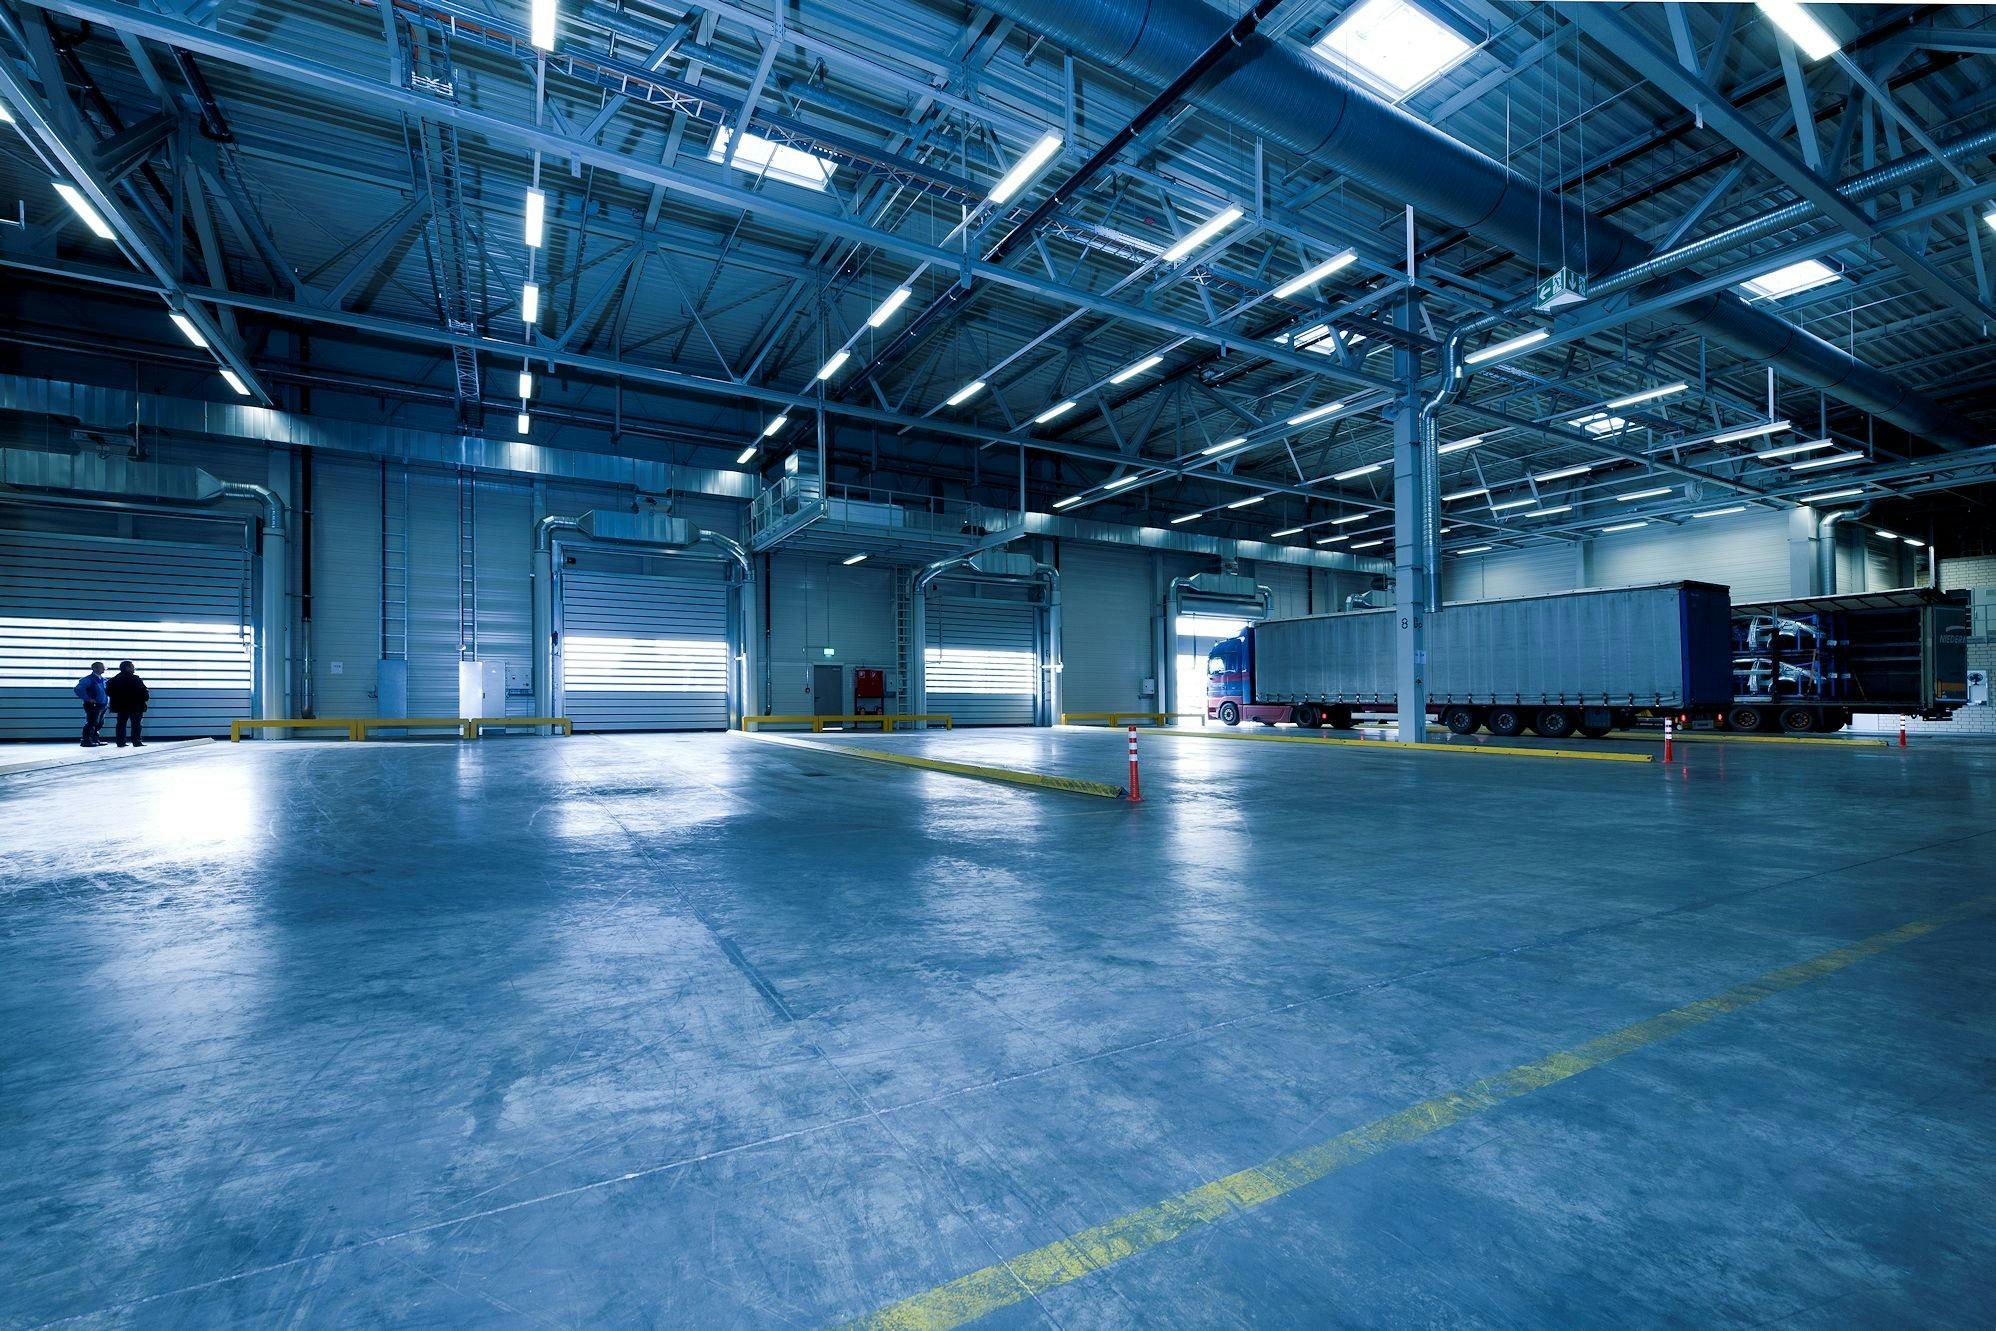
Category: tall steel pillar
<point>1413,549</point>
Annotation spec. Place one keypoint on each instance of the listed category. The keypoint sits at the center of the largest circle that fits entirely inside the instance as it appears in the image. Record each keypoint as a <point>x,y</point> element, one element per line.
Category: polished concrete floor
<point>703,1032</point>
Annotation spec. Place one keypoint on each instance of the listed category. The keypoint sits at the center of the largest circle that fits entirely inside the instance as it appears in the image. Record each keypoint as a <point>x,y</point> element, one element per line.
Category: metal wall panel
<point>981,663</point>
<point>815,603</point>
<point>346,585</point>
<point>643,653</point>
<point>1106,611</point>
<point>433,593</point>
<point>1747,552</point>
<point>503,555</point>
<point>1290,586</point>
<point>181,611</point>
<point>1532,572</point>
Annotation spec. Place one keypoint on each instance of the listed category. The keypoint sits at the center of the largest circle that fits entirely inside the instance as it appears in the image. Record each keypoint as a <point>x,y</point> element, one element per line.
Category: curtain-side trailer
<point>1583,661</point>
<point>1811,663</point>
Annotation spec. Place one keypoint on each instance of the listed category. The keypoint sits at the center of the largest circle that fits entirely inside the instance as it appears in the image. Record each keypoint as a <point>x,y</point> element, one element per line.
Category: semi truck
<point>1812,663</point>
<point>1581,661</point>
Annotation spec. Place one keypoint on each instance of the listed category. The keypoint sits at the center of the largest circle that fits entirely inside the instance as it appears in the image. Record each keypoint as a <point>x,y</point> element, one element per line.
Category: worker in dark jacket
<point>129,696</point>
<point>90,689</point>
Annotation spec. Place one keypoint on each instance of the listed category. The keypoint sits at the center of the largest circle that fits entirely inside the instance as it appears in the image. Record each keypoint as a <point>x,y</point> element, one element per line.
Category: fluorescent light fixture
<point>540,29</point>
<point>1202,233</point>
<point>536,221</point>
<point>1392,44</point>
<point>745,455</point>
<point>1056,410</point>
<point>1475,550</point>
<point>853,559</point>
<point>778,161</point>
<point>1026,167</point>
<point>1787,450</point>
<point>1314,275</point>
<point>1223,446</point>
<point>1989,219</point>
<point>6,116</point>
<point>1647,395</point>
<point>776,425</point>
<point>1186,517</point>
<point>1580,469</point>
<point>964,394</point>
<point>1834,460</point>
<point>1250,500</point>
<point>1367,545</point>
<point>233,380</point>
<point>1286,531</point>
<point>1548,512</point>
<point>1456,446</point>
<point>526,385</point>
<point>1314,413</point>
<point>1512,503</point>
<point>895,300</point>
<point>1122,481</point>
<point>1328,540</point>
<point>1833,494</point>
<point>1801,27</point>
<point>1721,512</point>
<point>1625,526</point>
<point>522,424</point>
<point>1791,279</point>
<point>186,326</point>
<point>1349,518</point>
<point>1466,494</point>
<point>1068,502</point>
<point>1888,535</point>
<point>1358,471</point>
<point>831,367</point>
<point>1653,493</point>
<point>91,217</point>
<point>530,303</point>
<point>1750,432</point>
<point>1130,372</point>
<point>1913,540</point>
<point>1531,339</point>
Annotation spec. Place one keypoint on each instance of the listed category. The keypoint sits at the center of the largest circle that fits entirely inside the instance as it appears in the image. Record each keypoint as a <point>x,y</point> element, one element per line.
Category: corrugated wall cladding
<point>1748,553</point>
<point>503,518</point>
<point>818,603</point>
<point>1509,573</point>
<point>1106,608</point>
<point>346,585</point>
<point>1290,589</point>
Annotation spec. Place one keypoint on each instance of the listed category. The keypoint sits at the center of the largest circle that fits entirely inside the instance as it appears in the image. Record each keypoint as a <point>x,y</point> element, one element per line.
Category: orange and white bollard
<point>1666,739</point>
<point>1902,732</point>
<point>1136,795</point>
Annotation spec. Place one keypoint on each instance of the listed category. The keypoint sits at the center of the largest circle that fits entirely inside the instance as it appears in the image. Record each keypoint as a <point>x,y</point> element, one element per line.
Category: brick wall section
<point>1978,578</point>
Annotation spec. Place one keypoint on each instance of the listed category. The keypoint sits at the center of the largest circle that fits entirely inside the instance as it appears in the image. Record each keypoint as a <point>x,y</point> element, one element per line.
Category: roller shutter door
<point>181,611</point>
<point>1105,625</point>
<point>644,653</point>
<point>981,661</point>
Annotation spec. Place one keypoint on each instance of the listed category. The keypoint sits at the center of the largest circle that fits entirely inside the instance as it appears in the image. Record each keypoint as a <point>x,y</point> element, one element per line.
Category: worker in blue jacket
<point>96,697</point>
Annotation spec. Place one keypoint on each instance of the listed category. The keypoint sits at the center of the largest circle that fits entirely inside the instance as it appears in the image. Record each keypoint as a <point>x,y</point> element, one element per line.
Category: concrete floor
<point>701,1032</point>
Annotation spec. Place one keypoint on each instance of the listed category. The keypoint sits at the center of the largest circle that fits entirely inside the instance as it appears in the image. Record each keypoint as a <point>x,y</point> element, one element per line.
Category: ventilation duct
<point>1273,90</point>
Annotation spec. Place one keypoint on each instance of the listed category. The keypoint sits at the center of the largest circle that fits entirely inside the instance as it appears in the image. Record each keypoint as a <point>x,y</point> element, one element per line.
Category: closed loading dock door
<point>179,611</point>
<point>644,653</point>
<point>981,663</point>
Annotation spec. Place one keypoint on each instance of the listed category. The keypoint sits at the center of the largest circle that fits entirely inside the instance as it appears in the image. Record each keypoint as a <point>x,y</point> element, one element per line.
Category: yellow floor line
<point>1068,784</point>
<point>1066,1260</point>
<point>1511,750</point>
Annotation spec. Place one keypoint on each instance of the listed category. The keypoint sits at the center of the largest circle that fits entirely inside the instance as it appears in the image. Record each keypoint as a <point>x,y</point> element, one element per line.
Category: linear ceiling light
<point>1644,494</point>
<point>1328,540</point>
<point>1068,502</point>
<point>186,326</point>
<point>541,25</point>
<point>1466,494</point>
<point>1475,550</point>
<point>1313,276</point>
<point>1026,167</point>
<point>535,226</point>
<point>1788,449</point>
<point>91,217</point>
<point>1367,545</point>
<point>1122,481</point>
<point>1802,28</point>
<point>1358,471</point>
<point>1750,432</point>
<point>1562,473</point>
<point>831,367</point>
<point>850,560</point>
<point>1512,503</point>
<point>1548,512</point>
<point>233,380</point>
<point>1349,518</point>
<point>895,300</point>
<point>526,385</point>
<point>1186,517</point>
<point>1531,339</point>
<point>1721,512</point>
<point>1834,460</point>
<point>1854,491</point>
<point>1202,233</point>
<point>1314,414</point>
<point>1456,446</point>
<point>1130,372</point>
<point>522,423</point>
<point>1056,410</point>
<point>1648,395</point>
<point>745,455</point>
<point>530,303</point>
<point>1625,526</point>
<point>964,394</point>
<point>1286,531</point>
<point>1244,503</point>
<point>1223,446</point>
<point>776,425</point>
<point>1913,540</point>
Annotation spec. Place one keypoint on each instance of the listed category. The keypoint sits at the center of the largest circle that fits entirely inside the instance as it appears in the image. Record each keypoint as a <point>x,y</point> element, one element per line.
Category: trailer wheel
<point>1230,715</point>
<point>1798,720</point>
<point>1553,723</point>
<point>1504,721</point>
<point>1746,719</point>
<point>1309,716</point>
<point>1461,720</point>
<point>1339,718</point>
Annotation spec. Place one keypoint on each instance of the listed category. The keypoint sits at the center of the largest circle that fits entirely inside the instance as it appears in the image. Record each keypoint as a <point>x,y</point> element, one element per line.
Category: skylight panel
<point>1791,279</point>
<point>778,161</point>
<point>1393,45</point>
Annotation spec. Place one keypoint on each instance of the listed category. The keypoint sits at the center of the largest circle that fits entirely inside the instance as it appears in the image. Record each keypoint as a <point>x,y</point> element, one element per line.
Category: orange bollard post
<point>1666,739</point>
<point>1136,795</point>
<point>1902,732</point>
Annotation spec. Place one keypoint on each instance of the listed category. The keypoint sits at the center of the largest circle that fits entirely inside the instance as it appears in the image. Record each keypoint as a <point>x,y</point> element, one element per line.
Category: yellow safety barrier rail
<point>236,728</point>
<point>1387,746</point>
<point>1113,719</point>
<point>356,727</point>
<point>477,723</point>
<point>818,723</point>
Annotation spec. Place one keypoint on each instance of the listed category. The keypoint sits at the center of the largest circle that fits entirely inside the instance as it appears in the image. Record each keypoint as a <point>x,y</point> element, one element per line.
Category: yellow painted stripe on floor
<point>1461,746</point>
<point>1070,785</point>
<point>1065,1260</point>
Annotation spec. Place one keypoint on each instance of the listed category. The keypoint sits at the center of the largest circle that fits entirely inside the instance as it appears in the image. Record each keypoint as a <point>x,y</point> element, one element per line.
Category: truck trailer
<point>1585,661</point>
<point>1812,663</point>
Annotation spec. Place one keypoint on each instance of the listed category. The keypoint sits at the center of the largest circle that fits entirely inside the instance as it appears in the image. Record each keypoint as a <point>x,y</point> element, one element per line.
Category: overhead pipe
<point>1274,91</point>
